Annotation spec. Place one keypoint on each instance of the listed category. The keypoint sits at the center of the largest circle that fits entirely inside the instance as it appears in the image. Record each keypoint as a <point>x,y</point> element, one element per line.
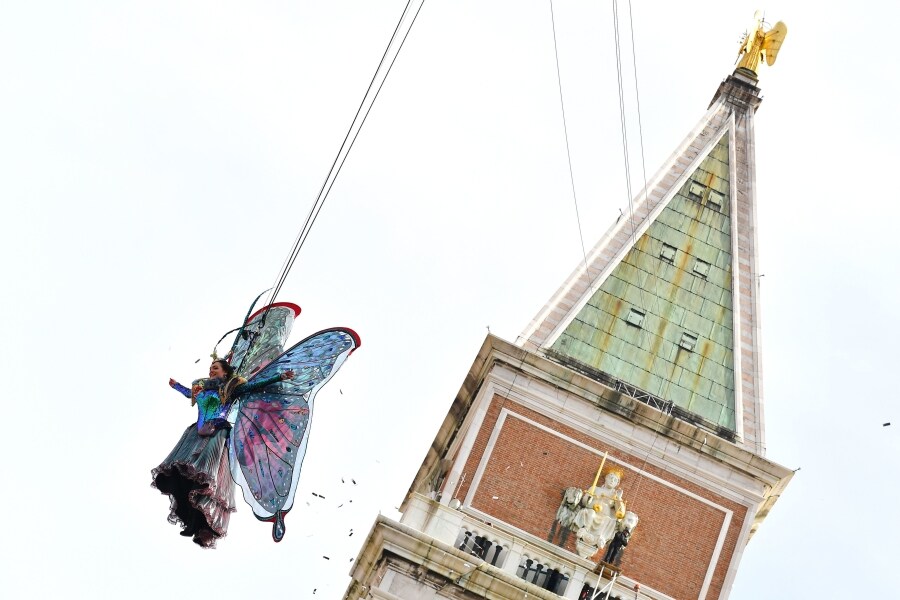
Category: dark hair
<point>229,370</point>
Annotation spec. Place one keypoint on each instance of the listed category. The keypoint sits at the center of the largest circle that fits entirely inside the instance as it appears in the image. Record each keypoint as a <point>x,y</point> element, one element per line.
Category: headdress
<point>616,471</point>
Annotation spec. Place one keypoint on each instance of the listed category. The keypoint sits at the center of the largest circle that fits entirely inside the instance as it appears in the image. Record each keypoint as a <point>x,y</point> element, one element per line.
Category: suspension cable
<point>351,136</point>
<point>562,106</point>
<point>637,97</point>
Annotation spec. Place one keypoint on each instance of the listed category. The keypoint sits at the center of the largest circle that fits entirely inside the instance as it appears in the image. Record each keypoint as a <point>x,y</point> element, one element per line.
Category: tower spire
<point>666,306</point>
<point>646,362</point>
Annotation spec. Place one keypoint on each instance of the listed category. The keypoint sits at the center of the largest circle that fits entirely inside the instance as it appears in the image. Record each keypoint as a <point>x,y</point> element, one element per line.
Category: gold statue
<point>760,42</point>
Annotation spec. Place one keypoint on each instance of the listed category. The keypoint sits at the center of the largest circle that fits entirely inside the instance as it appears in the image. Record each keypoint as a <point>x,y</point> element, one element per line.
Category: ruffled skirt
<point>198,482</point>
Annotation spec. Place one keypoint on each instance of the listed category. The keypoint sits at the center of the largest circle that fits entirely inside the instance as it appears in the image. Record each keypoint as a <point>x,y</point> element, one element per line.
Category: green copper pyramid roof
<point>662,319</point>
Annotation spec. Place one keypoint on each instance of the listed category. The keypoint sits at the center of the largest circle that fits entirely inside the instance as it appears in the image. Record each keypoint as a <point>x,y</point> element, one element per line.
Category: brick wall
<point>528,468</point>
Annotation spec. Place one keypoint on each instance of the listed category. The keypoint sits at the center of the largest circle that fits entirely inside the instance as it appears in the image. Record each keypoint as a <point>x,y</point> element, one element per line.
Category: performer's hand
<point>289,374</point>
<point>172,382</point>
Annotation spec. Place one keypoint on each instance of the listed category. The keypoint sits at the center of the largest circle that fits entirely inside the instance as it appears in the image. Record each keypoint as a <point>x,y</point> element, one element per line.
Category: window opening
<point>587,593</point>
<point>688,341</point>
<point>701,268</point>
<point>668,253</point>
<point>542,576</point>
<point>478,545</point>
<point>696,191</point>
<point>635,317</point>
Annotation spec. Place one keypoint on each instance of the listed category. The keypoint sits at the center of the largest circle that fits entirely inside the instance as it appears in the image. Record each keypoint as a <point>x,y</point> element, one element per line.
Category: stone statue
<point>565,515</point>
<point>625,527</point>
<point>597,519</point>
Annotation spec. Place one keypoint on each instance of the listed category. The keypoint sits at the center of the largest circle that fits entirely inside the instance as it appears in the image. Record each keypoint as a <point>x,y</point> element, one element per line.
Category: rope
<point>637,96</point>
<point>339,161</point>
<point>568,151</point>
<point>341,156</point>
<point>624,128</point>
<point>659,422</point>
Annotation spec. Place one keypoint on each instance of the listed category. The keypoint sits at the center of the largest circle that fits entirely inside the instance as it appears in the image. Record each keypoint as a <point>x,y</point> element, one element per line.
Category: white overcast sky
<point>158,158</point>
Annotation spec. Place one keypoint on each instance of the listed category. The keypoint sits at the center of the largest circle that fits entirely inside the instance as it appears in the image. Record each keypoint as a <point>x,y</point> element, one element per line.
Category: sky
<point>158,159</point>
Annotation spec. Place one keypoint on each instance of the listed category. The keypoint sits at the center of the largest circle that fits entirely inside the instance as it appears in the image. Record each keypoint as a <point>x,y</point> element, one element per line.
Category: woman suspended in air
<point>251,431</point>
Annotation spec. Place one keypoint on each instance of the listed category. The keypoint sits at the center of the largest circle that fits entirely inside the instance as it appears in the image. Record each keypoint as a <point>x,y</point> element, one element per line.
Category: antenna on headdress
<point>241,330</point>
<point>215,352</point>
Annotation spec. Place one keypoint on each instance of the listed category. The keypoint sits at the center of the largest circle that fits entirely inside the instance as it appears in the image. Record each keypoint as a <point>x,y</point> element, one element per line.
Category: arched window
<point>476,544</point>
<point>551,579</point>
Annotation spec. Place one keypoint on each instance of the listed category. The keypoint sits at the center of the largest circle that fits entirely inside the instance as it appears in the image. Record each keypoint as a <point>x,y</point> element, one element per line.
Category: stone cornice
<point>740,91</point>
<point>495,350</point>
<point>457,567</point>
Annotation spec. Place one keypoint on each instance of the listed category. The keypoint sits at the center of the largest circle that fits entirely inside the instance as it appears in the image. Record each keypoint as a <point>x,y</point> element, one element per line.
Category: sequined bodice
<point>209,403</point>
<point>207,393</point>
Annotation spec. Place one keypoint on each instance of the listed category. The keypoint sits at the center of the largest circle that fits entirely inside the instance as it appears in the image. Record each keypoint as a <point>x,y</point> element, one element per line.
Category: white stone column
<point>444,524</point>
<point>513,558</point>
<point>575,584</point>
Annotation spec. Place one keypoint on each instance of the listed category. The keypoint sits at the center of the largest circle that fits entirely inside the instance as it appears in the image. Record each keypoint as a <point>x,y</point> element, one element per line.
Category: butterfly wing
<point>271,426</point>
<point>262,337</point>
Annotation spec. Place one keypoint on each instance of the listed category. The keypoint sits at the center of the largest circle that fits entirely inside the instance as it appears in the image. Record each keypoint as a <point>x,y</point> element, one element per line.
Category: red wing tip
<point>295,308</point>
<point>356,341</point>
<point>355,336</point>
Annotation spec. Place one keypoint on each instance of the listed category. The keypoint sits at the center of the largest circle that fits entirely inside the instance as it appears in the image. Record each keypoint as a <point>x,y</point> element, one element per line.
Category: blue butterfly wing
<point>271,425</point>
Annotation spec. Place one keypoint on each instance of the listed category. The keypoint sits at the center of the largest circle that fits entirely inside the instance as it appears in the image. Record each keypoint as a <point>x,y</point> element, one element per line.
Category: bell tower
<point>619,446</point>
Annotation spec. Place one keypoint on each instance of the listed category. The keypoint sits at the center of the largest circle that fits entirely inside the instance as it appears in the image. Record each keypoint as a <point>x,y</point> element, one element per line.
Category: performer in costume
<point>257,428</point>
<point>196,474</point>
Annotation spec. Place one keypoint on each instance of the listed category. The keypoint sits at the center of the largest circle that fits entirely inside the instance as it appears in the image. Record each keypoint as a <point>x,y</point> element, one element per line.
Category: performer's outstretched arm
<point>252,386</point>
<point>186,392</point>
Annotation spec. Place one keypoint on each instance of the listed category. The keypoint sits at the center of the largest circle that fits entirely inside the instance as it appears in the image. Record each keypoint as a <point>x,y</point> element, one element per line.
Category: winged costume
<point>251,431</point>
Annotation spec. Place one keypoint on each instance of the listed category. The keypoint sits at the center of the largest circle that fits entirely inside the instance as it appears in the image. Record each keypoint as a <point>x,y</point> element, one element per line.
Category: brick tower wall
<point>528,468</point>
